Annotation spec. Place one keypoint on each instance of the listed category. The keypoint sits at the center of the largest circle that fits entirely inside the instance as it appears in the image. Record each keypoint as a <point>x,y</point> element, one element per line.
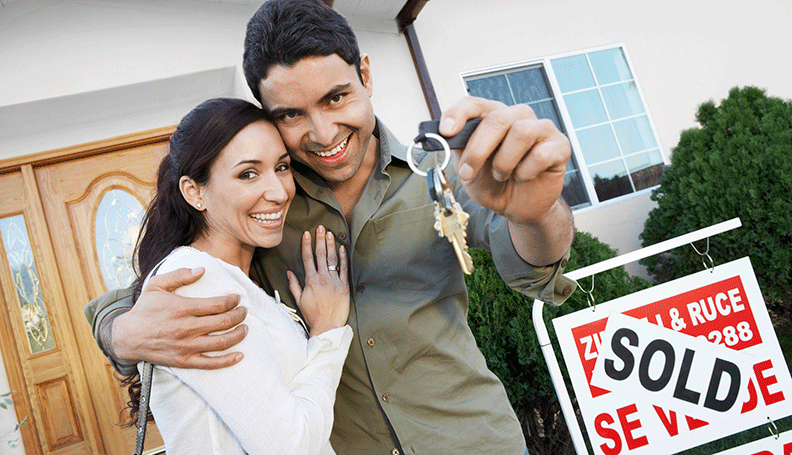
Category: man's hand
<point>166,329</point>
<point>514,165</point>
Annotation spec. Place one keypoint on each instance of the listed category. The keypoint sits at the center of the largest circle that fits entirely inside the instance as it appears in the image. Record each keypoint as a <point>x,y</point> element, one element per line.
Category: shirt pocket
<point>411,253</point>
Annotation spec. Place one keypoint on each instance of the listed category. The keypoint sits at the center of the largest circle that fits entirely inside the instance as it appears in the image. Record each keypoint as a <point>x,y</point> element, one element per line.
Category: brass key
<point>450,220</point>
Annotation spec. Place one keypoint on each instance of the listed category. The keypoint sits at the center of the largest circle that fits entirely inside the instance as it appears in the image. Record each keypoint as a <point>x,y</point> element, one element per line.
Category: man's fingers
<point>204,306</point>
<point>525,151</point>
<point>205,362</point>
<point>171,281</point>
<point>515,121</point>
<point>454,118</point>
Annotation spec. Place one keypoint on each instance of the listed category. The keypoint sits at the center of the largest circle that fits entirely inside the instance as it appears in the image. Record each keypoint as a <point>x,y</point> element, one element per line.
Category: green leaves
<point>501,320</point>
<point>738,163</point>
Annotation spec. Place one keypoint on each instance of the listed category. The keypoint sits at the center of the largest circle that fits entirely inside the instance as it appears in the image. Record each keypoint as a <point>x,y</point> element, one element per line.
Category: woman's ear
<point>191,192</point>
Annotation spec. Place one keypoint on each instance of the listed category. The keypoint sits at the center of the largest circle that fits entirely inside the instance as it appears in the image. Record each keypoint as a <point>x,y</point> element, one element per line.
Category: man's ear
<point>191,192</point>
<point>365,74</point>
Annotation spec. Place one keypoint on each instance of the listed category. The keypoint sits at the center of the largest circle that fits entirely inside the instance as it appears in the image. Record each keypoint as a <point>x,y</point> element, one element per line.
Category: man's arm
<point>166,329</point>
<point>514,165</point>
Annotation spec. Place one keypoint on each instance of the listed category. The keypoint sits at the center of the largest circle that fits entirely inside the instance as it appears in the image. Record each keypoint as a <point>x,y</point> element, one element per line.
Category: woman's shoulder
<point>190,258</point>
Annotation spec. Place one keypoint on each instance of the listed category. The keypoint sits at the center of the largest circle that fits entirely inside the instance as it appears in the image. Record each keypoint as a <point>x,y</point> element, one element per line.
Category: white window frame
<point>545,62</point>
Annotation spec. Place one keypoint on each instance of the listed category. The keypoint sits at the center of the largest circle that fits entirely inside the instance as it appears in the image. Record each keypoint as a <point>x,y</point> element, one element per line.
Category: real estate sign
<point>676,365</point>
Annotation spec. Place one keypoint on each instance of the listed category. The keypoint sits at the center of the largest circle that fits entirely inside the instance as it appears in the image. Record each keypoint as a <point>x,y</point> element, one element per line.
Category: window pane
<point>622,100</point>
<point>635,135</point>
<point>585,108</point>
<point>573,73</point>
<point>28,286</point>
<point>610,66</point>
<point>598,144</point>
<point>528,86</point>
<point>574,192</point>
<point>547,110</point>
<point>116,228</point>
<point>610,180</point>
<point>645,169</point>
<point>492,88</point>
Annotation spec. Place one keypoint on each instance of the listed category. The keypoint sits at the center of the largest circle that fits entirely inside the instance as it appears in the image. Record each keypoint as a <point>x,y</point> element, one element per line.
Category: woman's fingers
<point>294,285</point>
<point>307,254</point>
<point>343,264</point>
<point>332,260</point>
<point>321,251</point>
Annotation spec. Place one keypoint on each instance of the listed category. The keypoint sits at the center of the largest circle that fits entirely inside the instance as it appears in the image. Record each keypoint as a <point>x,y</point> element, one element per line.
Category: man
<point>414,381</point>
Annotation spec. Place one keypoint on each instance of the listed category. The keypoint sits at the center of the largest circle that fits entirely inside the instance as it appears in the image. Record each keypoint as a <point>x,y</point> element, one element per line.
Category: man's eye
<point>336,98</point>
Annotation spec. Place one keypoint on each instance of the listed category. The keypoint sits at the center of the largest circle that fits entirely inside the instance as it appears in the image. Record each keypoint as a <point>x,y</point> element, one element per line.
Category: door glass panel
<point>116,230</point>
<point>26,281</point>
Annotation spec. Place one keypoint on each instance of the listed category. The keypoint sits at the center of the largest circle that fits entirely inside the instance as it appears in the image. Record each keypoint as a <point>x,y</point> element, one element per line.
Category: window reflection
<point>116,229</point>
<point>26,281</point>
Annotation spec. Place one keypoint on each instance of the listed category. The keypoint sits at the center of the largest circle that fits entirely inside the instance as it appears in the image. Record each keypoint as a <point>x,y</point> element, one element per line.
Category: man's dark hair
<point>283,32</point>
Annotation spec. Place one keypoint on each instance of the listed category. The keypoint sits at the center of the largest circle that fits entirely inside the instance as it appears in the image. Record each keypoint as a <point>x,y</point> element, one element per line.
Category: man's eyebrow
<point>335,91</point>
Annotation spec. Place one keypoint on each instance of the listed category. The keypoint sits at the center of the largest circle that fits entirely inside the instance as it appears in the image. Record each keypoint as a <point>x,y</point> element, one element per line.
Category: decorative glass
<point>116,230</point>
<point>26,281</point>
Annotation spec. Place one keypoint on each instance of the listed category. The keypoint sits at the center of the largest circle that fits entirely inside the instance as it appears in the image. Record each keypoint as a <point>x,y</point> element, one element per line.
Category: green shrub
<point>502,324</point>
<point>737,164</point>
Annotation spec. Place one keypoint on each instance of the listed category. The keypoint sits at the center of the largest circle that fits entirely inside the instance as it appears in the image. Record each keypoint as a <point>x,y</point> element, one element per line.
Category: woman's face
<point>249,190</point>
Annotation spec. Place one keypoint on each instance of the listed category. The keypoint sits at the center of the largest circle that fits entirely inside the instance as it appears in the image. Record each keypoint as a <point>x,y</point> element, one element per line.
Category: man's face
<point>323,112</point>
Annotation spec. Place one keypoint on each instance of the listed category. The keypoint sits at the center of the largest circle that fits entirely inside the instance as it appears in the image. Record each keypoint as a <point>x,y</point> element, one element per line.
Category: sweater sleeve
<point>266,413</point>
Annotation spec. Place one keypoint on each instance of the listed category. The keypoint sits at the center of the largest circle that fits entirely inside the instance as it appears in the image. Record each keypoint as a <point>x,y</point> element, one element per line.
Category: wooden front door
<point>81,209</point>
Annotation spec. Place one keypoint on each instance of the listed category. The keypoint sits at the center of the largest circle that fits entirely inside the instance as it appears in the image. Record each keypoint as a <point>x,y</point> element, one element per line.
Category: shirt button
<point>385,397</point>
<point>395,451</point>
<point>563,263</point>
<point>360,288</point>
<point>567,290</point>
<point>342,235</point>
<point>370,342</point>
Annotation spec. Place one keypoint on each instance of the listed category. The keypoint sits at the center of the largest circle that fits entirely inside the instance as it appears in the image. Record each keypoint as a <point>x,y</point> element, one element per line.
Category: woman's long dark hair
<point>170,221</point>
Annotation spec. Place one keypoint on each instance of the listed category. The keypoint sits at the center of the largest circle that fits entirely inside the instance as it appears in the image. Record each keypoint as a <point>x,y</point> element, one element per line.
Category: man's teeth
<point>334,150</point>
<point>267,216</point>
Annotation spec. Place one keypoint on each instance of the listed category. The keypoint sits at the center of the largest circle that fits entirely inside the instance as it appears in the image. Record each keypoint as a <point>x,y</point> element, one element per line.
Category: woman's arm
<point>264,412</point>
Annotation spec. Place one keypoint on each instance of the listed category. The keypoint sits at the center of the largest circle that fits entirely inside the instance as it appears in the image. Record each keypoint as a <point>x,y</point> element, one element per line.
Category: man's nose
<point>323,130</point>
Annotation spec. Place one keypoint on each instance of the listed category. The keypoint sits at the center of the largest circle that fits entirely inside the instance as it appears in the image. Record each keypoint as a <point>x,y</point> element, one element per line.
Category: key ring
<point>421,138</point>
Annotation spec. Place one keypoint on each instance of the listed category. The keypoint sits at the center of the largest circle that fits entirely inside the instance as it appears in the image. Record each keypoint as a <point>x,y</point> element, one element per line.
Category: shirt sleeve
<point>491,231</point>
<point>299,412</point>
<point>95,312</point>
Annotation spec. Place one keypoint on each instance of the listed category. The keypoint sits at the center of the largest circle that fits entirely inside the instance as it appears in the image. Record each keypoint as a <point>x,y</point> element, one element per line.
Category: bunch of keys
<point>450,220</point>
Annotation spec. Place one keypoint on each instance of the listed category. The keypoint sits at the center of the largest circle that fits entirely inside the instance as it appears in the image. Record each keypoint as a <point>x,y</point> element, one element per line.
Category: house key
<point>450,220</point>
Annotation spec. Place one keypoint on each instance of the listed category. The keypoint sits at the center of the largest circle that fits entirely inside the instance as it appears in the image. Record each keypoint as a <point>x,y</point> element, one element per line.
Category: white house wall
<point>683,53</point>
<point>77,71</point>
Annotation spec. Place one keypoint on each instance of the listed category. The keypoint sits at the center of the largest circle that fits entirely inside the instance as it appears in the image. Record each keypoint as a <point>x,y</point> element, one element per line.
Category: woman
<point>222,191</point>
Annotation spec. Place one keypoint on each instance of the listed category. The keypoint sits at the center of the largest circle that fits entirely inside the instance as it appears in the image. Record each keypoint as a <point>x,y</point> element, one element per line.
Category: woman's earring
<point>200,206</point>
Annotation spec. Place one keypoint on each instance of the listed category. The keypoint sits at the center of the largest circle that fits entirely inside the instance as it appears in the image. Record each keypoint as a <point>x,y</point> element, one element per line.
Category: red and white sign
<point>677,392</point>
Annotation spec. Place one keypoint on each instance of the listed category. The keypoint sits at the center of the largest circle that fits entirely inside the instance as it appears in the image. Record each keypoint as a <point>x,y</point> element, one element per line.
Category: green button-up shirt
<point>414,379</point>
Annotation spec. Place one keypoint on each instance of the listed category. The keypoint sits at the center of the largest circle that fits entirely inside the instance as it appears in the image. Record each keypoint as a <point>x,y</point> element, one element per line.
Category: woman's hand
<point>324,302</point>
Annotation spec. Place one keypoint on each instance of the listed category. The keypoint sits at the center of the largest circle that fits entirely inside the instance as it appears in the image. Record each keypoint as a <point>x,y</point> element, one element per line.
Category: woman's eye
<point>247,175</point>
<point>284,167</point>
